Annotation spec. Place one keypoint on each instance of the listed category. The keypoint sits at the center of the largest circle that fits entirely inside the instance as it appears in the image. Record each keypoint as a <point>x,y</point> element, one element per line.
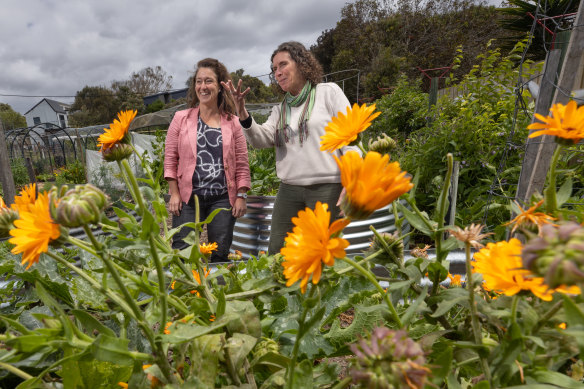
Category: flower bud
<point>7,217</point>
<point>394,255</point>
<point>557,255</point>
<point>389,359</point>
<point>117,152</point>
<point>383,145</point>
<point>266,345</point>
<point>80,206</point>
<point>278,269</point>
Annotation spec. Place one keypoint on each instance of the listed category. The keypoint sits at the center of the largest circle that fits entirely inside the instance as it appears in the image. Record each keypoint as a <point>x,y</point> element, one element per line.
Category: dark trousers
<point>220,230</point>
<point>293,198</point>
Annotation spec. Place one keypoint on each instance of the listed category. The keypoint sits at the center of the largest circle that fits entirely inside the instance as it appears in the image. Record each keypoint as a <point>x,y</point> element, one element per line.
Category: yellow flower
<point>34,231</point>
<point>197,278</point>
<point>501,267</point>
<point>529,216</point>
<point>312,242</point>
<point>471,235</point>
<point>123,385</point>
<point>344,129</point>
<point>117,131</point>
<point>370,183</point>
<point>2,203</point>
<point>563,326</point>
<point>27,197</point>
<point>208,248</point>
<point>455,280</point>
<point>565,121</point>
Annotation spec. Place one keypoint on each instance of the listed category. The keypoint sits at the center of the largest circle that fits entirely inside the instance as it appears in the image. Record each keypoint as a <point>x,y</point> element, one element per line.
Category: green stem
<point>360,145</point>
<point>206,290</point>
<point>16,371</point>
<point>551,201</point>
<point>367,274</point>
<point>161,282</point>
<point>397,220</point>
<point>514,304</point>
<point>442,214</point>
<point>294,356</point>
<point>546,316</point>
<point>343,383</point>
<point>82,245</point>
<point>476,328</point>
<point>361,262</point>
<point>126,180</point>
<point>134,185</point>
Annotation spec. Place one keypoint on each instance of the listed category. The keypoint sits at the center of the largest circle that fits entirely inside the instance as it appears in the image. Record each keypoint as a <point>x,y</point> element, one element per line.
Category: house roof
<point>57,106</point>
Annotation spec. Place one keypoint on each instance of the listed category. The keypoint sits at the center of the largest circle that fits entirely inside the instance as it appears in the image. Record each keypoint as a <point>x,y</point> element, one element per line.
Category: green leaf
<point>207,350</point>
<point>303,375</point>
<point>314,319</point>
<point>238,347</point>
<point>417,307</point>
<point>112,349</point>
<point>271,358</point>
<point>448,299</point>
<point>184,332</point>
<point>574,315</point>
<point>416,221</point>
<point>558,379</point>
<point>246,318</point>
<point>565,192</point>
<point>91,323</point>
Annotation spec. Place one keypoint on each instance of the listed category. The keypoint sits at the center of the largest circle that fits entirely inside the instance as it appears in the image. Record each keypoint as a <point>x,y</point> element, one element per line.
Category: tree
<point>517,20</point>
<point>127,99</point>
<point>259,92</point>
<point>10,118</point>
<point>146,81</point>
<point>93,105</point>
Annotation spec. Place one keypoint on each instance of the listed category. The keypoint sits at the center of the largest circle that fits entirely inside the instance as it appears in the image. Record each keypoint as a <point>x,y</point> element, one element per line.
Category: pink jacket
<point>180,154</point>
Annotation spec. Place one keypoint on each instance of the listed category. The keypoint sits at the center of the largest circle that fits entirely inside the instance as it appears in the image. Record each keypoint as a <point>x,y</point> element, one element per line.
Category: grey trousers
<point>293,198</point>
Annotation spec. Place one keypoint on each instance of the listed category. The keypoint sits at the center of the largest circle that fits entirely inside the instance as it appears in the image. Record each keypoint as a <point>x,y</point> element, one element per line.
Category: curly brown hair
<point>225,102</point>
<point>307,63</point>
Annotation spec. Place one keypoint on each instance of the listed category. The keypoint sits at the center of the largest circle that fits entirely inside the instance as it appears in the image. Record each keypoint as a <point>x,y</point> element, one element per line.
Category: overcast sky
<point>56,47</point>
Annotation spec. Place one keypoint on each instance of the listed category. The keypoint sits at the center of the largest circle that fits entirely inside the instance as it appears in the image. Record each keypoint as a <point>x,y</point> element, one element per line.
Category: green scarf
<point>283,129</point>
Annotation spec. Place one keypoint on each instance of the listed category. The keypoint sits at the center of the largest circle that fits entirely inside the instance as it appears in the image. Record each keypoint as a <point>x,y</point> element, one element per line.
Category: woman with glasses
<point>206,155</point>
<point>294,128</point>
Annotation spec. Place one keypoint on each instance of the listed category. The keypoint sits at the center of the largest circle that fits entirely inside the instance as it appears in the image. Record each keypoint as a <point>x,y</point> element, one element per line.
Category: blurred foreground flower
<point>530,218</point>
<point>34,230</point>
<point>455,280</point>
<point>471,235</point>
<point>343,129</point>
<point>80,205</point>
<point>312,242</point>
<point>117,132</point>
<point>26,198</point>
<point>501,267</point>
<point>370,183</point>
<point>557,255</point>
<point>390,359</point>
<point>566,123</point>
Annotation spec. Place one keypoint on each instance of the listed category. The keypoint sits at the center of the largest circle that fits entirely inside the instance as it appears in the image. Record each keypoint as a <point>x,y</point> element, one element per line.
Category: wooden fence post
<point>536,163</point>
<point>6,178</point>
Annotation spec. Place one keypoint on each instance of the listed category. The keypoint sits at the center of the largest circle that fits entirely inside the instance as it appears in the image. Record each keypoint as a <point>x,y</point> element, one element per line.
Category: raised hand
<point>238,97</point>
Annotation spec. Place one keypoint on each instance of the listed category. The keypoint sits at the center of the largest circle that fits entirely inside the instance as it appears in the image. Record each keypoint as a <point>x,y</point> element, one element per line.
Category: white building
<point>48,111</point>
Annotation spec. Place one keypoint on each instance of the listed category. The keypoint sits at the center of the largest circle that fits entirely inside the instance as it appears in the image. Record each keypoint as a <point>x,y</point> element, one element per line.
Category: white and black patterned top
<point>209,176</point>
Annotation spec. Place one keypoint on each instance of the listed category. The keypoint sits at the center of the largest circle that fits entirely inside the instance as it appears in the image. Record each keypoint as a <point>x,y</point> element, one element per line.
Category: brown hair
<point>307,63</point>
<point>225,102</point>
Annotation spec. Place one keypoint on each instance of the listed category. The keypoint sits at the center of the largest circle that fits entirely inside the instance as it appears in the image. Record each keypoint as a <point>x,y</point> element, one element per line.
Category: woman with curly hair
<point>206,155</point>
<point>294,128</point>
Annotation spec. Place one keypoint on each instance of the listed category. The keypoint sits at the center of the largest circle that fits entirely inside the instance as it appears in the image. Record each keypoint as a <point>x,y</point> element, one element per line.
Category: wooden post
<point>536,163</point>
<point>6,178</point>
<point>30,169</point>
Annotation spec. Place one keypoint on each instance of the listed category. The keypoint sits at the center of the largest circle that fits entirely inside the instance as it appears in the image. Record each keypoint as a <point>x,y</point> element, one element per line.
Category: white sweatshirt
<point>304,164</point>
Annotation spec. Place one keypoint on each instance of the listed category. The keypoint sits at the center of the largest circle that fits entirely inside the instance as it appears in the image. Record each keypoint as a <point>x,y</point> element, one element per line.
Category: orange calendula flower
<point>312,242</point>
<point>208,248</point>
<point>562,326</point>
<point>27,197</point>
<point>501,267</point>
<point>342,130</point>
<point>166,328</point>
<point>530,217</point>
<point>565,122</point>
<point>123,385</point>
<point>117,131</point>
<point>2,203</point>
<point>197,278</point>
<point>34,231</point>
<point>455,280</point>
<point>370,183</point>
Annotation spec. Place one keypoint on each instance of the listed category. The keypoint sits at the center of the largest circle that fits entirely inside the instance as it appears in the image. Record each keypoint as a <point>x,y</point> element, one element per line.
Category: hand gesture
<point>238,97</point>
